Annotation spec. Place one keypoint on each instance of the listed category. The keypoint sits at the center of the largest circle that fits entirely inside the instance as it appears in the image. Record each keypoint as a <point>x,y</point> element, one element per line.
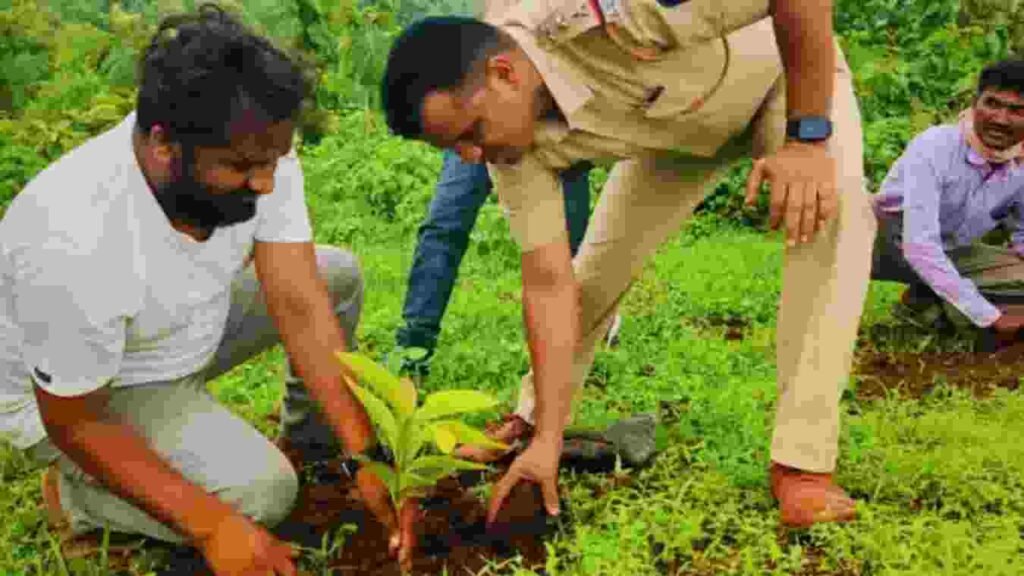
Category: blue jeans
<point>444,236</point>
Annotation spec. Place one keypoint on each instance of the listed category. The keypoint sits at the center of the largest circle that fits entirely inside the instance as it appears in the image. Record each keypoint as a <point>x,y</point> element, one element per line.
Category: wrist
<point>546,436</point>
<point>794,143</point>
<point>208,520</point>
<point>809,129</point>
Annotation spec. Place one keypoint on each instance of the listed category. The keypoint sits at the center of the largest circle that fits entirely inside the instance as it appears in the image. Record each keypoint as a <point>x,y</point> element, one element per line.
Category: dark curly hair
<point>202,70</point>
<point>1003,75</point>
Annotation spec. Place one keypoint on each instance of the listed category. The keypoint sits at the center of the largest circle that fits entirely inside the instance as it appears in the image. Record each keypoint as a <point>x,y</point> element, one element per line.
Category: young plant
<point>407,428</point>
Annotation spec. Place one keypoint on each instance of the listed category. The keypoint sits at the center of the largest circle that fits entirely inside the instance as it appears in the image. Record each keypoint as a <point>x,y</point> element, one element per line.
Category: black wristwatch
<point>809,129</point>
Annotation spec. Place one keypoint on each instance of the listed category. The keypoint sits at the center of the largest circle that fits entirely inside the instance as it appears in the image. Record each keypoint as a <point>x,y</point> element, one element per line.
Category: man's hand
<point>239,547</point>
<point>1007,328</point>
<point>538,464</point>
<point>802,178</point>
<point>401,534</point>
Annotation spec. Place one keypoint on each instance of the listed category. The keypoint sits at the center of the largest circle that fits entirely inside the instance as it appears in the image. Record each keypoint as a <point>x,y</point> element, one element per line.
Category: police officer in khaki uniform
<point>673,91</point>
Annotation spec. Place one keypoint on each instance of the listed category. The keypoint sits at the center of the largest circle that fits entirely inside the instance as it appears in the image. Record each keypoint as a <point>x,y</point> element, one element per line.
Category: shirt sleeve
<point>72,324</point>
<point>283,215</point>
<point>531,196</point>
<point>922,241</point>
<point>1017,237</point>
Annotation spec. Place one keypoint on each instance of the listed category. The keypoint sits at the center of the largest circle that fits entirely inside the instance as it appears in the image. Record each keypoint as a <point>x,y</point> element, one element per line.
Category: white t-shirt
<point>96,287</point>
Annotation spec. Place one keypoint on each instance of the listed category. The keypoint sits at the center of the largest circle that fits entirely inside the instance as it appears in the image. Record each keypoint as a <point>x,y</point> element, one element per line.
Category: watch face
<point>813,129</point>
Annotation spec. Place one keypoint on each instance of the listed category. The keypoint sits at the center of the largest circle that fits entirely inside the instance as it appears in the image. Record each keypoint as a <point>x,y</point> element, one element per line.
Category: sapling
<point>410,429</point>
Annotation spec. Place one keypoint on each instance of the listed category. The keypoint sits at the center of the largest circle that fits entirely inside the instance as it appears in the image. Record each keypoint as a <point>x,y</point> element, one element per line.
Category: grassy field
<point>938,475</point>
<point>938,478</point>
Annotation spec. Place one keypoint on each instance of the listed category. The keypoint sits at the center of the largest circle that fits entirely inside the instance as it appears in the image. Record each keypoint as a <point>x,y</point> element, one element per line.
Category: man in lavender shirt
<point>953,184</point>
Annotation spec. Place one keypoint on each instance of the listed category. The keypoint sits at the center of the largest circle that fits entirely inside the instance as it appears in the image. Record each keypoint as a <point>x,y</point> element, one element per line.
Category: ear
<point>503,68</point>
<point>159,148</point>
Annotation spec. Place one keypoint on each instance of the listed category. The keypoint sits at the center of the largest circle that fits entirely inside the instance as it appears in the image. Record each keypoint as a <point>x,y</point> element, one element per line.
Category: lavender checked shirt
<point>951,196</point>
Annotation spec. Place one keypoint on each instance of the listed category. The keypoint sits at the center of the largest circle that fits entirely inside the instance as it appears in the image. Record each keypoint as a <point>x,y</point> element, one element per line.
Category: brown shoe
<point>512,430</point>
<point>807,498</point>
<point>90,545</point>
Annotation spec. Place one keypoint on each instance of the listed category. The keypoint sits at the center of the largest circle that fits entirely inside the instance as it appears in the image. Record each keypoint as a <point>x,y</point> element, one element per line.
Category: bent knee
<point>269,494</point>
<point>341,270</point>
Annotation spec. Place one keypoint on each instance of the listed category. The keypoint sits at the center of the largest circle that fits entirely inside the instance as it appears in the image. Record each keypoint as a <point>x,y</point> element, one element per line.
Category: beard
<point>187,201</point>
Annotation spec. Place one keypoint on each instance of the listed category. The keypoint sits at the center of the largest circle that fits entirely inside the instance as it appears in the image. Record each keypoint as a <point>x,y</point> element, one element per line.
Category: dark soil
<point>913,375</point>
<point>451,533</point>
<point>735,327</point>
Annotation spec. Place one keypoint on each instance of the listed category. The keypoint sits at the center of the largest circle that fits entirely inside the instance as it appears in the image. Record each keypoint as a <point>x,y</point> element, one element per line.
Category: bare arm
<point>119,458</point>
<point>551,314</point>
<point>298,301</point>
<point>803,30</point>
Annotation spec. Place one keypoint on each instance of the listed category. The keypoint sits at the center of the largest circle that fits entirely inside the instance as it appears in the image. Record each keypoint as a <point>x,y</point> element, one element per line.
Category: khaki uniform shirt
<point>493,9</point>
<point>631,78</point>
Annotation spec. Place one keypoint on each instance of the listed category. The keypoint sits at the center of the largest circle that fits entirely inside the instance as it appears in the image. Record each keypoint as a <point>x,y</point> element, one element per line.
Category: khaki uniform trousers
<point>824,284</point>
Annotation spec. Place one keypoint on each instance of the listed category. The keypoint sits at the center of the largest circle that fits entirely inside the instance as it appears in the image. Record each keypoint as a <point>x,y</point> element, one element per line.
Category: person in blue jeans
<point>443,238</point>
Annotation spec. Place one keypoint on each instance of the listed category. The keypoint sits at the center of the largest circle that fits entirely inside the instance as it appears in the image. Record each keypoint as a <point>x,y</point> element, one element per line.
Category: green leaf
<point>440,466</point>
<point>416,353</point>
<point>407,393</point>
<point>382,382</point>
<point>379,414</point>
<point>449,402</point>
<point>444,438</point>
<point>410,482</point>
<point>413,439</point>
<point>466,434</point>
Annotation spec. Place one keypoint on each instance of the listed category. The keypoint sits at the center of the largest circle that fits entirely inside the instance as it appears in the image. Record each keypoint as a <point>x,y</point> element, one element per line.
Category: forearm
<point>121,460</point>
<point>804,34</point>
<point>311,337</point>
<point>551,314</point>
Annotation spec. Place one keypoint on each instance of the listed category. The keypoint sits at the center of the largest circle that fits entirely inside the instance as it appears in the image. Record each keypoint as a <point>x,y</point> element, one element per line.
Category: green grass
<point>938,479</point>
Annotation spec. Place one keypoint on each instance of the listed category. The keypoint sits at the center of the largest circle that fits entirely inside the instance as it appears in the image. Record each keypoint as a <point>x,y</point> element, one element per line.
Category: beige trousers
<point>824,284</point>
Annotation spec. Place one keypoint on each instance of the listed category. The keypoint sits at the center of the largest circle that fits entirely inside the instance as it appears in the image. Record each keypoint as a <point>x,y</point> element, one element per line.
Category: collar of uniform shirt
<point>566,86</point>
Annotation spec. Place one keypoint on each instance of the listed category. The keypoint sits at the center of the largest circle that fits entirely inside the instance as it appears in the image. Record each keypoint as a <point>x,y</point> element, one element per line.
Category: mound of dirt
<point>914,375</point>
<point>451,531</point>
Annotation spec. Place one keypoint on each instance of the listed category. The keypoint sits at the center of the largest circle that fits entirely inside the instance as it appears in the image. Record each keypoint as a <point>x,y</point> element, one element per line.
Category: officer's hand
<point>239,547</point>
<point>802,179</point>
<point>1007,328</point>
<point>537,464</point>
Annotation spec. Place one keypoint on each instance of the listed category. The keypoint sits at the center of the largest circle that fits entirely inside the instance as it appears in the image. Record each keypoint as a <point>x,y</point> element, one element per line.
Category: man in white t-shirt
<point>154,257</point>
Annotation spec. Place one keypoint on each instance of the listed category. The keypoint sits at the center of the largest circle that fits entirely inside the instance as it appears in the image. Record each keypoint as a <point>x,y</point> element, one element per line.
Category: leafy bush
<point>26,43</point>
<point>1008,13</point>
<point>17,164</point>
<point>79,82</point>
<point>362,170</point>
